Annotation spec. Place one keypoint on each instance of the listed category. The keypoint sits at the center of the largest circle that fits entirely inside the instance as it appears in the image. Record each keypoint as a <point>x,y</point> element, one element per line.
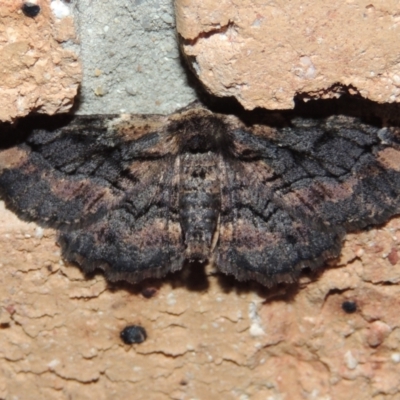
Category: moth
<point>140,195</point>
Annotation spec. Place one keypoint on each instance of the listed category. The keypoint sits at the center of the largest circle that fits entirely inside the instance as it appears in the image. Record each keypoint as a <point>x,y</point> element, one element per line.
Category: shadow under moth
<point>137,196</point>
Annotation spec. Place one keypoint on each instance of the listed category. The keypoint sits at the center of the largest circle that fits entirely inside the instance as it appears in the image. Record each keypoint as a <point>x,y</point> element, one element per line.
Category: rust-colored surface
<point>265,53</point>
<point>59,335</point>
<point>37,71</point>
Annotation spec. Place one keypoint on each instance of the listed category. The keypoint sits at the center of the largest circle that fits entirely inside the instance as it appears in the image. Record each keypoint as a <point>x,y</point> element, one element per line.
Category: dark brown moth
<point>138,196</point>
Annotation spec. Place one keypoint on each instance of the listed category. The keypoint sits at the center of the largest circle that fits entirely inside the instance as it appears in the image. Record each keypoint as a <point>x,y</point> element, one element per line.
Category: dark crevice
<point>217,30</point>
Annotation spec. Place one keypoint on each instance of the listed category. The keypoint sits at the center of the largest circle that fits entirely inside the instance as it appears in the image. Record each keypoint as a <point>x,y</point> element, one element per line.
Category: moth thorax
<point>200,201</point>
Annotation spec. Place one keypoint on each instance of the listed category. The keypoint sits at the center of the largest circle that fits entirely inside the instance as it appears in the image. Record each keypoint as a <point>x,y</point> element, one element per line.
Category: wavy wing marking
<point>108,185</point>
<point>291,194</point>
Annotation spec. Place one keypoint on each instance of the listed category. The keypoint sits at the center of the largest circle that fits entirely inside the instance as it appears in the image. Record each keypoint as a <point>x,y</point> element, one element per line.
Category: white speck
<point>53,363</point>
<point>395,357</point>
<point>257,22</point>
<point>93,351</point>
<point>255,327</point>
<point>396,79</point>
<point>106,28</point>
<point>27,236</point>
<point>60,9</point>
<point>196,67</point>
<point>21,104</point>
<point>307,68</point>
<point>350,360</point>
<point>171,300</point>
<point>38,232</point>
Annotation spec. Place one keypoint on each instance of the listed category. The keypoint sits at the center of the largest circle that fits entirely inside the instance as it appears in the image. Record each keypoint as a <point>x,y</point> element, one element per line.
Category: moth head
<point>198,134</point>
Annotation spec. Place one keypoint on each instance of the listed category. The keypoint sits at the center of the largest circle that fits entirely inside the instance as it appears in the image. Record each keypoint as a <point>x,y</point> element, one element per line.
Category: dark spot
<point>4,325</point>
<point>133,334</point>
<point>183,382</point>
<point>49,268</point>
<point>30,9</point>
<point>349,307</point>
<point>291,239</point>
<point>199,174</point>
<point>195,276</point>
<point>149,292</point>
